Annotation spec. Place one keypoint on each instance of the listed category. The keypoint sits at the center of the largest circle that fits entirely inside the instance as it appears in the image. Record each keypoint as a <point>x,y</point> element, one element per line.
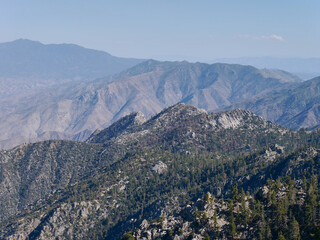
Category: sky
<point>195,30</point>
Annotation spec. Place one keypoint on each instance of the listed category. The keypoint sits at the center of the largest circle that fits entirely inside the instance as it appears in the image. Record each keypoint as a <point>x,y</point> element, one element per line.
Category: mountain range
<point>305,68</point>
<point>143,149</point>
<point>295,108</point>
<point>143,170</point>
<point>74,111</point>
<point>54,92</point>
<point>28,65</point>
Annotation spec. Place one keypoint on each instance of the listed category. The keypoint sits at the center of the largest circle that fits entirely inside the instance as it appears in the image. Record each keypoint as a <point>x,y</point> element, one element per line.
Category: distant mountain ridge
<point>294,108</point>
<point>30,64</point>
<point>306,68</point>
<point>75,111</point>
<point>26,58</point>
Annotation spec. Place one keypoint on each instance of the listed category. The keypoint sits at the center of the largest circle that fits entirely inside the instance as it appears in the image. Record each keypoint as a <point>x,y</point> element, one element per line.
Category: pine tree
<point>233,228</point>
<point>268,232</point>
<point>244,211</point>
<point>128,236</point>
<point>281,237</point>
<point>206,236</point>
<point>294,229</point>
<point>235,192</point>
<point>310,205</point>
<point>262,227</point>
<point>215,220</point>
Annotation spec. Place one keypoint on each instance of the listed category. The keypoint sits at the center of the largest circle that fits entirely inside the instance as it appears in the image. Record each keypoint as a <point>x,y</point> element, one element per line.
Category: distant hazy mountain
<point>294,108</point>
<point>26,64</point>
<point>306,68</point>
<point>75,111</point>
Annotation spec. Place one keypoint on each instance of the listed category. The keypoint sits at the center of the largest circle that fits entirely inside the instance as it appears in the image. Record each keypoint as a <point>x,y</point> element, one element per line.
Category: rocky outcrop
<point>194,221</point>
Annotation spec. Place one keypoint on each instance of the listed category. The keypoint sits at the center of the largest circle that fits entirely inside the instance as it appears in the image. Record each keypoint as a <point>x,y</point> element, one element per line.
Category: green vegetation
<point>281,209</point>
<point>110,187</point>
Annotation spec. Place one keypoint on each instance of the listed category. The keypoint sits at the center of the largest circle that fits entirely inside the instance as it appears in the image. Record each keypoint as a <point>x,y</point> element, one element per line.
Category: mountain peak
<point>185,109</point>
<point>176,112</point>
<point>28,59</point>
<point>25,40</point>
<point>117,128</point>
<point>21,43</point>
<point>178,117</point>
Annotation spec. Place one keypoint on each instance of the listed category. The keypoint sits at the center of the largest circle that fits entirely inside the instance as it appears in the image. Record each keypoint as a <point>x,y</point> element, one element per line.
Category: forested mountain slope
<point>141,169</point>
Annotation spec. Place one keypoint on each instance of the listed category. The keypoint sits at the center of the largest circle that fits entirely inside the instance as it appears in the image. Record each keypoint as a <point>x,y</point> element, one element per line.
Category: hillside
<point>134,169</point>
<point>75,111</point>
<point>28,65</point>
<point>277,211</point>
<point>284,207</point>
<point>294,108</point>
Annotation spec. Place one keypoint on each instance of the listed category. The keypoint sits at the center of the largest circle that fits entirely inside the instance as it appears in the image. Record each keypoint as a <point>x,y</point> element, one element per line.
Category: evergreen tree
<point>128,236</point>
<point>215,220</point>
<point>310,205</point>
<point>244,211</point>
<point>281,237</point>
<point>206,236</point>
<point>235,192</point>
<point>262,227</point>
<point>233,228</point>
<point>294,229</point>
<point>268,232</point>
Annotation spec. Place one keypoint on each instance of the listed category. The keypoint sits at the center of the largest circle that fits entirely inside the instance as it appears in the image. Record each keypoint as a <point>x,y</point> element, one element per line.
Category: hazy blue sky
<point>170,29</point>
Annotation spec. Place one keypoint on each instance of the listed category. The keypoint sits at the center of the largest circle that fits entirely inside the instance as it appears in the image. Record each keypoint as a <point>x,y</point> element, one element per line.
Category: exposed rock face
<point>232,119</point>
<point>75,111</point>
<point>181,223</point>
<point>160,167</point>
